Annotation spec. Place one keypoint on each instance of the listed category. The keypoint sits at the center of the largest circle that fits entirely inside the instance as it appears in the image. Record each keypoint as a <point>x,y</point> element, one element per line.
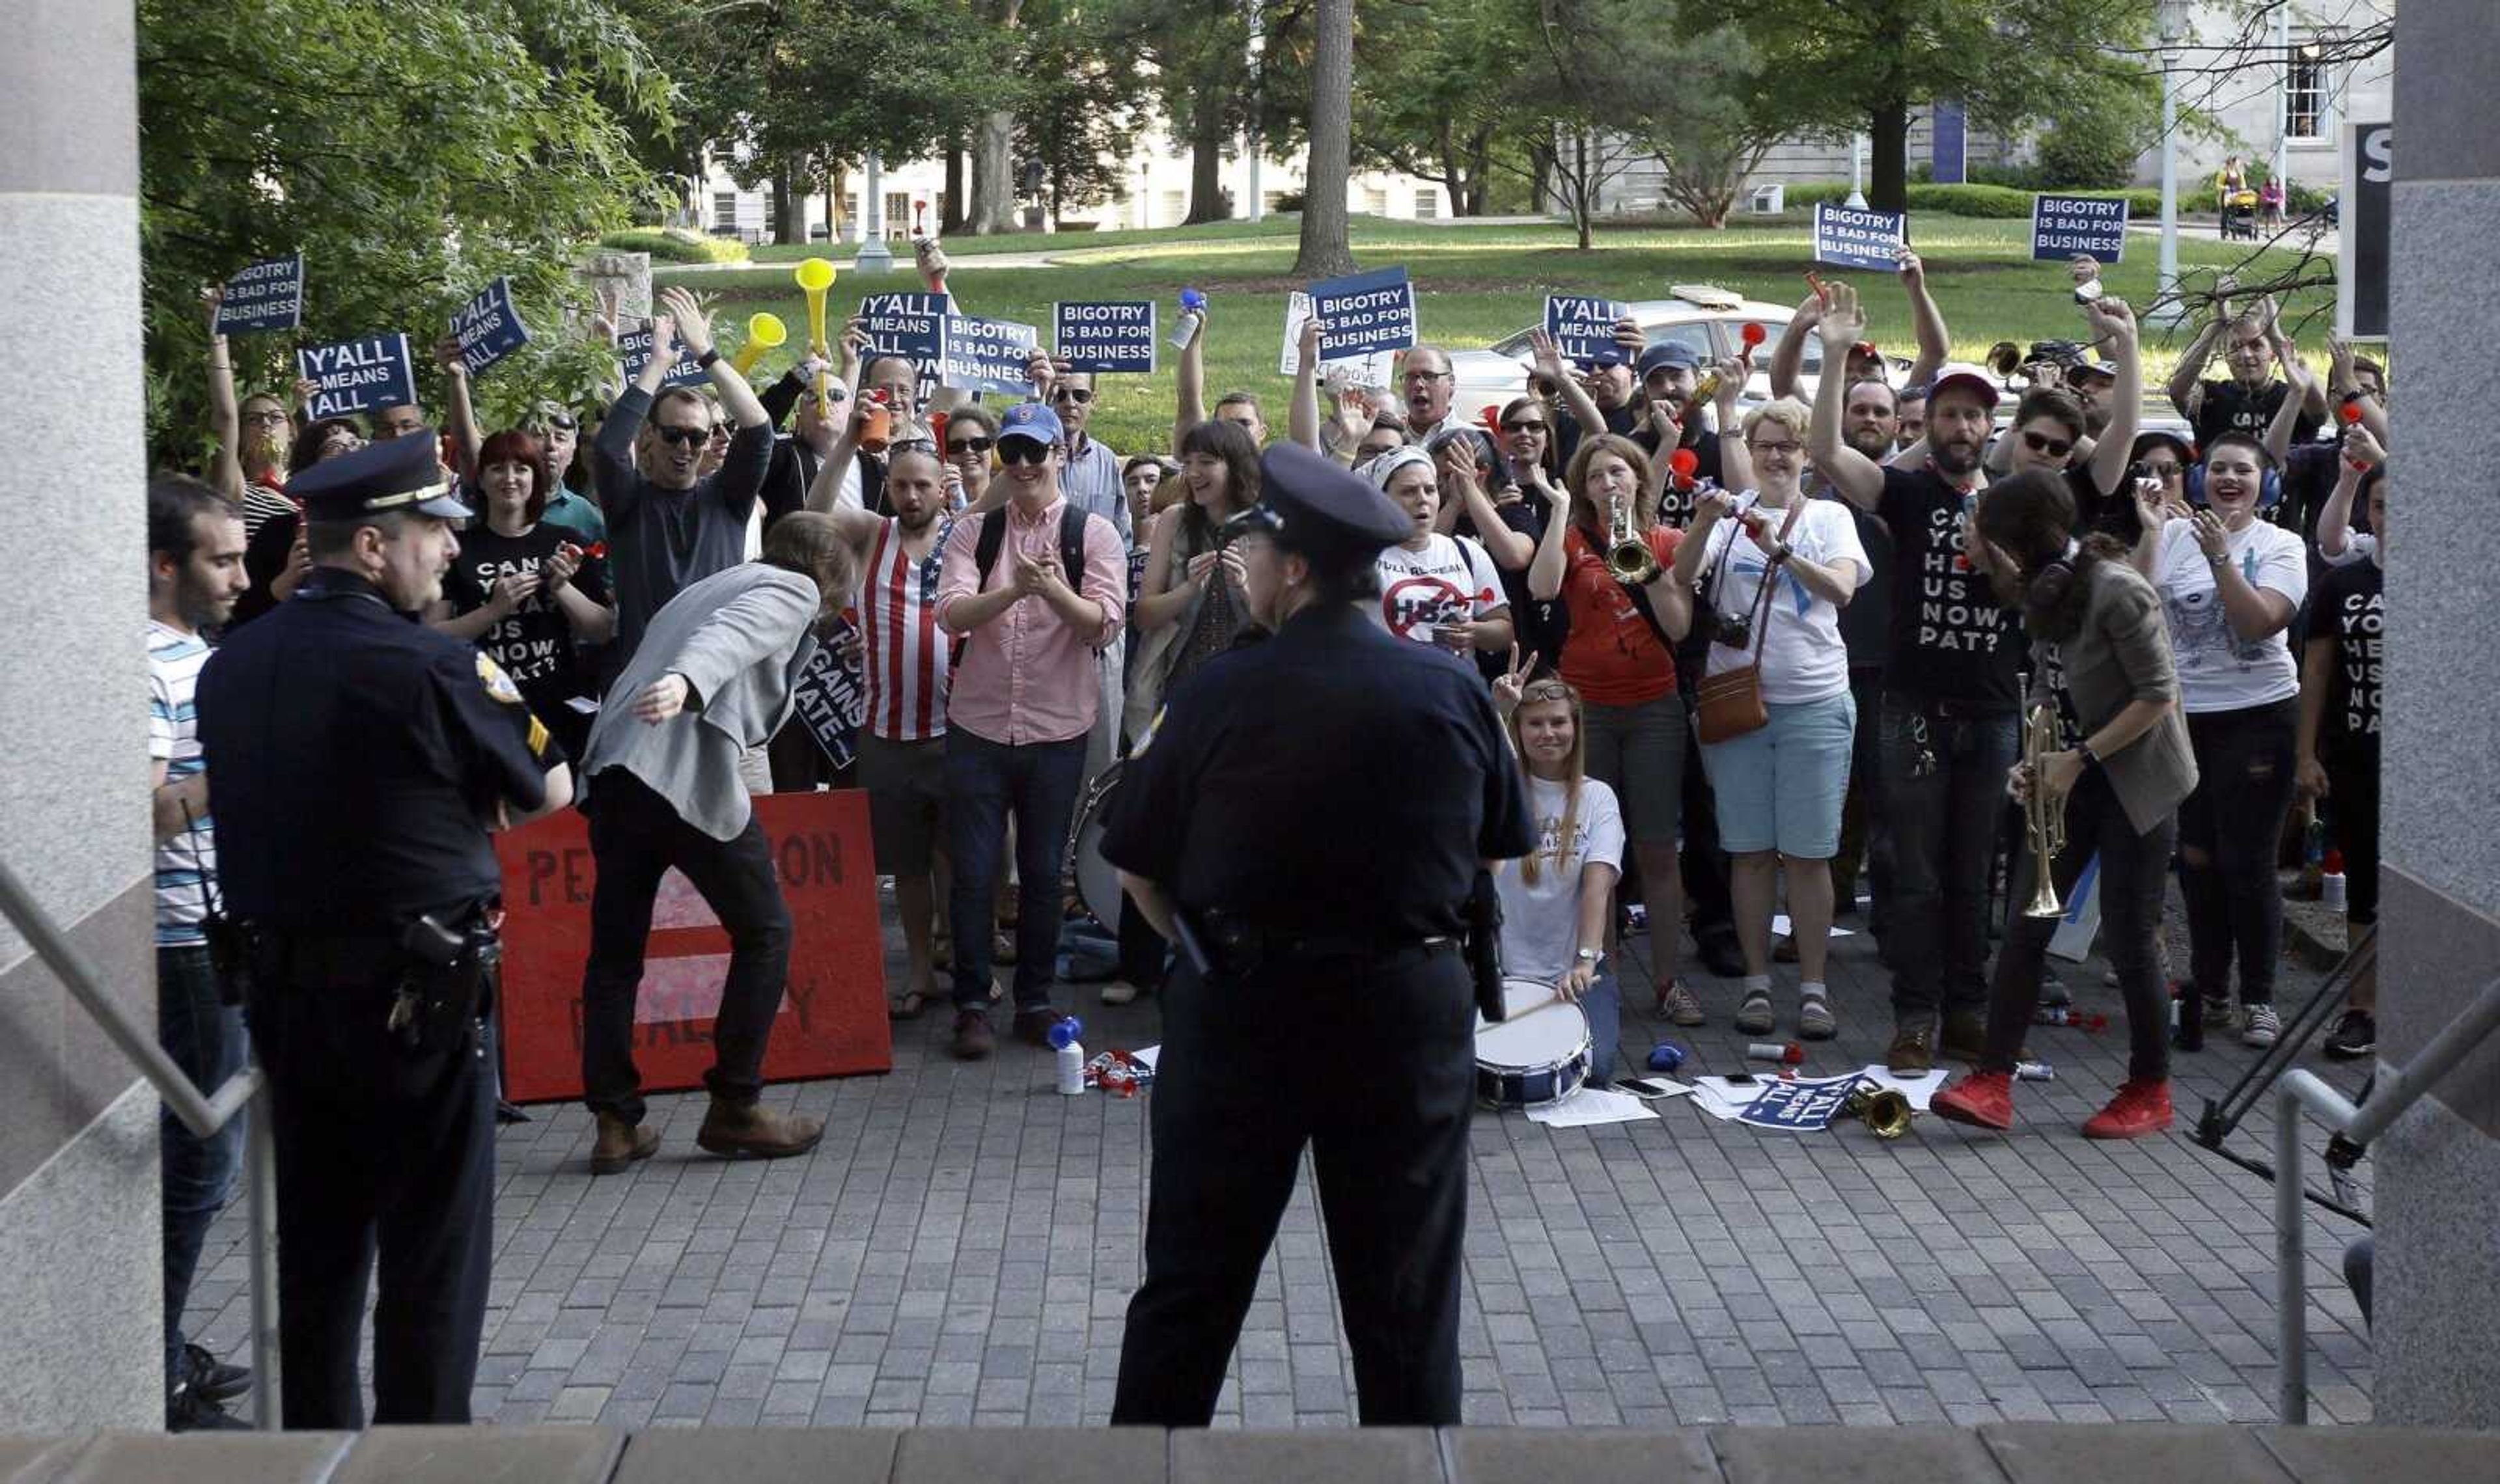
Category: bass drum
<point>1540,1054</point>
<point>1096,883</point>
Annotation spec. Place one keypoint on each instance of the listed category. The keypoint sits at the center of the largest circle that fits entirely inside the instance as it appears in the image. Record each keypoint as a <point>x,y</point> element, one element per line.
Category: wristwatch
<point>705,359</point>
<point>1591,957</point>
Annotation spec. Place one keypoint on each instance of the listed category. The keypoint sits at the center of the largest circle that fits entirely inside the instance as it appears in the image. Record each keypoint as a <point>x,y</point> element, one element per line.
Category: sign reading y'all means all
<point>1582,327</point>
<point>1366,312</point>
<point>635,345</point>
<point>1106,335</point>
<point>358,375</point>
<point>1852,237</point>
<point>265,296</point>
<point>2063,226</point>
<point>488,327</point>
<point>987,354</point>
<point>909,325</point>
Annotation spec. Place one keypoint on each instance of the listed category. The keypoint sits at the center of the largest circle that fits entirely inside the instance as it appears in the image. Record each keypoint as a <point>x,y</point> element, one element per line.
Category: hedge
<point>675,245</point>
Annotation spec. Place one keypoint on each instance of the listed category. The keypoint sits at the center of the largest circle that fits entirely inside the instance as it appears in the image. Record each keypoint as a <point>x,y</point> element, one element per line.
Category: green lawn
<point>1476,284</point>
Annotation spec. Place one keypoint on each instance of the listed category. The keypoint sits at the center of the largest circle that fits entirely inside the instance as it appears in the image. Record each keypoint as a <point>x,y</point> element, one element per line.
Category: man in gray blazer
<point>710,679</point>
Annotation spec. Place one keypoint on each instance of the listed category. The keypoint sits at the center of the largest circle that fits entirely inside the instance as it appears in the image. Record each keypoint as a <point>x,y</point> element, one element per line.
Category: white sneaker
<point>1119,992</point>
<point>2264,1027</point>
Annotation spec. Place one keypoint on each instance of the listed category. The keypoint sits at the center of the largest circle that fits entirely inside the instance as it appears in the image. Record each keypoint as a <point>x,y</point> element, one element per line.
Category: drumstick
<point>1517,1013</point>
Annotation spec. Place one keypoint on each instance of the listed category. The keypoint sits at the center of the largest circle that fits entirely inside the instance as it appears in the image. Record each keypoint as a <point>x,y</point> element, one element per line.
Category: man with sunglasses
<point>1089,476</point>
<point>1025,696</point>
<point>670,524</point>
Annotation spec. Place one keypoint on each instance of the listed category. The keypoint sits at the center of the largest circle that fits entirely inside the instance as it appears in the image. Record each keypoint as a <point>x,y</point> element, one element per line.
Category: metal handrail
<point>2394,1094</point>
<point>204,1114</point>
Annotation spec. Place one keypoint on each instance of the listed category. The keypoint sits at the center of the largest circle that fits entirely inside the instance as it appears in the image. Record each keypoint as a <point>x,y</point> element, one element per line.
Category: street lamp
<point>875,257</point>
<point>2170,311</point>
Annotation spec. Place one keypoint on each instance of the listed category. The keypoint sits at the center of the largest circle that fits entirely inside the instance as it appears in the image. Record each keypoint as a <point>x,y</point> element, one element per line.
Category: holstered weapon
<point>1484,945</point>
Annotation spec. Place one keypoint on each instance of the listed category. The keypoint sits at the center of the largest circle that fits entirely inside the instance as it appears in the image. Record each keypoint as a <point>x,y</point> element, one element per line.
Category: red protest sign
<point>831,1021</point>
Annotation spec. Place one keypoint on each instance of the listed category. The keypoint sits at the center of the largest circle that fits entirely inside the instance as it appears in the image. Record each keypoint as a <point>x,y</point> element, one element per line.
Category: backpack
<point>994,538</point>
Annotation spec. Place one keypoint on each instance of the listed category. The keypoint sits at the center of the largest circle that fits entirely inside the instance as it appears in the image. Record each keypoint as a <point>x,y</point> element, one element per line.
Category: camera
<point>1736,630</point>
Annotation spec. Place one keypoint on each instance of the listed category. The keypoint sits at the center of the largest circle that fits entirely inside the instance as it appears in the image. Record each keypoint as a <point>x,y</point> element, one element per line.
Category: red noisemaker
<point>1788,1055</point>
<point>2349,411</point>
<point>1682,463</point>
<point>938,431</point>
<point>1751,335</point>
<point>919,215</point>
<point>1493,423</point>
<point>2068,1016</point>
<point>598,549</point>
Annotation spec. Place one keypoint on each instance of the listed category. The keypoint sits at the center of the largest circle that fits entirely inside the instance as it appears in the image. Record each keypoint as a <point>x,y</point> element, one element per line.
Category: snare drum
<point>1097,881</point>
<point>1536,1056</point>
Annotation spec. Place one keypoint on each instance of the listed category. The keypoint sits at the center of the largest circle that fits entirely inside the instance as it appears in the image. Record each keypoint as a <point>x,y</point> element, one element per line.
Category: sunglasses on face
<point>1024,451</point>
<point>1524,425</point>
<point>2043,443</point>
<point>1078,394</point>
<point>968,444</point>
<point>683,436</point>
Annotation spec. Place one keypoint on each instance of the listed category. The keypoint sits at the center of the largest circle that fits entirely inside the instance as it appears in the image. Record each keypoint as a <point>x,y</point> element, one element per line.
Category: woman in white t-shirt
<point>1780,786</point>
<point>2229,585</point>
<point>1435,589</point>
<point>1556,900</point>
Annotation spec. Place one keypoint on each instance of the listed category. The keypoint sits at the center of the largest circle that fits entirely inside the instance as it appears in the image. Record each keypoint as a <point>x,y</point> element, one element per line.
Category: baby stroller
<point>2239,215</point>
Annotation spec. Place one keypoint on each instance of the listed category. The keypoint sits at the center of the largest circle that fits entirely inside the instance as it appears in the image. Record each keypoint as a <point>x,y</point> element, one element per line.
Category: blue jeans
<point>986,782</point>
<point>1943,814</point>
<point>1604,1005</point>
<point>205,1038</point>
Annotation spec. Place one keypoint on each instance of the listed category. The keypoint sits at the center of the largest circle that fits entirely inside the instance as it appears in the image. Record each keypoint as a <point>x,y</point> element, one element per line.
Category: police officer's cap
<point>402,475</point>
<point>1313,507</point>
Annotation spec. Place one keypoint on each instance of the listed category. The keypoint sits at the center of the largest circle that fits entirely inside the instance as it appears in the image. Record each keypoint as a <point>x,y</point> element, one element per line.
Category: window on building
<point>1375,200</point>
<point>724,209</point>
<point>898,213</point>
<point>1175,208</point>
<point>2307,87</point>
<point>1428,203</point>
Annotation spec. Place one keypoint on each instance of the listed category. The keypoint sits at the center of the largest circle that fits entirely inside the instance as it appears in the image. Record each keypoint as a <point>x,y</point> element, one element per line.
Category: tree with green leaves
<point>413,153</point>
<point>1825,66</point>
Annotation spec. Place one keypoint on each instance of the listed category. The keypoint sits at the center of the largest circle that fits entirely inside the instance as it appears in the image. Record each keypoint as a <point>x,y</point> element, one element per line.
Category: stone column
<point>82,1330</point>
<point>2437,1180</point>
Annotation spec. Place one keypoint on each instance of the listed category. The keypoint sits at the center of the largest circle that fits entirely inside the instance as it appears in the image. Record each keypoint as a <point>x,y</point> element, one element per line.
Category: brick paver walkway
<point>961,1247</point>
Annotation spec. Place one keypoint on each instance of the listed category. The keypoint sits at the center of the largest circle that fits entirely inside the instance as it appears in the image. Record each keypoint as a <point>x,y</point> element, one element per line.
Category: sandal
<point>907,1005</point>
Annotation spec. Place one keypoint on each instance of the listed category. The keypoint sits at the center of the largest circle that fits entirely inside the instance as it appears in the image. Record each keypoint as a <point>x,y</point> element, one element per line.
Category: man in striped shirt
<point>903,738</point>
<point>195,545</point>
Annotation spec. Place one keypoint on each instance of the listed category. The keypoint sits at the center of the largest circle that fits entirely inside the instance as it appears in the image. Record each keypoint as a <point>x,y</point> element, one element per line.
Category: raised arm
<point>459,415</point>
<point>1576,397</point>
<point>2335,521</point>
<point>225,413</point>
<point>694,329</point>
<point>2285,423</point>
<point>1927,322</point>
<point>1188,381</point>
<point>2184,392</point>
<point>1545,569</point>
<point>1788,354</point>
<point>2113,327</point>
<point>1302,413</point>
<point>1509,550</point>
<point>1849,471</point>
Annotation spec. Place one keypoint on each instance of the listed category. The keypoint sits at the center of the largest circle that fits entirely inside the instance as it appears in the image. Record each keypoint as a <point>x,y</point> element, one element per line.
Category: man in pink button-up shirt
<point>1024,696</point>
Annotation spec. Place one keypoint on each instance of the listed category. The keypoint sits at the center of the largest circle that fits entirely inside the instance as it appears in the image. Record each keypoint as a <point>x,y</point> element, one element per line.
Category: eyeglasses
<point>1546,690</point>
<point>1078,394</point>
<point>968,444</point>
<point>1524,425</point>
<point>686,436</point>
<point>2164,471</point>
<point>1024,451</point>
<point>1428,375</point>
<point>2043,443</point>
<point>913,446</point>
<point>1784,448</point>
<point>265,419</point>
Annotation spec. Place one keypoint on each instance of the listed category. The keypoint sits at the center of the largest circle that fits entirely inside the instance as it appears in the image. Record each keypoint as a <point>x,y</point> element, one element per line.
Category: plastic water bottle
<point>1192,304</point>
<point>2034,1072</point>
<point>2330,882</point>
<point>1071,1056</point>
<point>1789,1054</point>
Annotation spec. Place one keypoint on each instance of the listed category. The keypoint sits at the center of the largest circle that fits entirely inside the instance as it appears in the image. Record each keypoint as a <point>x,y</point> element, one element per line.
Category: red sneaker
<point>2138,1109</point>
<point>1983,1100</point>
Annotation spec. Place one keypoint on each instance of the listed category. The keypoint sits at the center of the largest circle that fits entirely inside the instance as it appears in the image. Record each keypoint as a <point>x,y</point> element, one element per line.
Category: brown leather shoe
<point>1033,1026</point>
<point>1913,1051</point>
<point>748,1131</point>
<point>621,1143</point>
<point>973,1039</point>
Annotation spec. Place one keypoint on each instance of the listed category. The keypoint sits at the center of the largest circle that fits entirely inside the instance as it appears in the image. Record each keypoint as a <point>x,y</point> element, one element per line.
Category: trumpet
<point>1884,1110</point>
<point>2044,819</point>
<point>1629,560</point>
<point>763,332</point>
<point>2005,359</point>
<point>815,275</point>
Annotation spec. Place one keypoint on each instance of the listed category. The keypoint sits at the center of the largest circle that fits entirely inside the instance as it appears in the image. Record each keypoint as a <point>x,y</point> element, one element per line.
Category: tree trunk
<point>1540,176</point>
<point>994,175</point>
<point>1206,164</point>
<point>950,213</point>
<point>789,222</point>
<point>1326,252</point>
<point>1583,192</point>
<point>834,180</point>
<point>1887,129</point>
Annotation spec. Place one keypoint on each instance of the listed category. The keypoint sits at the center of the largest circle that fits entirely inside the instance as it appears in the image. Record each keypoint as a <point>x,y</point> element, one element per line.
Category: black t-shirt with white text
<point>1952,641</point>
<point>2347,608</point>
<point>534,643</point>
<point>2227,407</point>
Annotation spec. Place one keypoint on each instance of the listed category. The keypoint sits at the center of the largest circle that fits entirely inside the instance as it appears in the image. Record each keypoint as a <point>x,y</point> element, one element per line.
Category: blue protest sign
<point>909,325</point>
<point>1106,335</point>
<point>358,375</point>
<point>1366,312</point>
<point>831,697</point>
<point>1581,326</point>
<point>1849,237</point>
<point>1802,1105</point>
<point>488,327</point>
<point>634,347</point>
<point>987,354</point>
<point>265,296</point>
<point>2062,226</point>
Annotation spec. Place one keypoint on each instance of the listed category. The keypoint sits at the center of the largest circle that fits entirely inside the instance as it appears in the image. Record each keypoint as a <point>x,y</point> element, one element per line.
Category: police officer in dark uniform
<point>1308,818</point>
<point>361,758</point>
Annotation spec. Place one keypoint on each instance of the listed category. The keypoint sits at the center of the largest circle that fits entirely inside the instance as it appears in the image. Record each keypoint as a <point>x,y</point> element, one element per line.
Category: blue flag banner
<point>1801,1105</point>
<point>265,296</point>
<point>831,697</point>
<point>488,327</point>
<point>909,325</point>
<point>1581,328</point>
<point>1106,335</point>
<point>1849,237</point>
<point>987,354</point>
<point>358,375</point>
<point>1367,313</point>
<point>2062,226</point>
<point>635,347</point>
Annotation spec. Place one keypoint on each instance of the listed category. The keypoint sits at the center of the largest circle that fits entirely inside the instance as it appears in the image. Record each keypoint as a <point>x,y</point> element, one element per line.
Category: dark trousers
<point>1143,953</point>
<point>2352,811</point>
<point>2244,787</point>
<point>1943,777</point>
<point>635,837</point>
<point>1380,1084</point>
<point>986,783</point>
<point>384,1154</point>
<point>1704,865</point>
<point>205,1038</point>
<point>2134,872</point>
<point>1863,831</point>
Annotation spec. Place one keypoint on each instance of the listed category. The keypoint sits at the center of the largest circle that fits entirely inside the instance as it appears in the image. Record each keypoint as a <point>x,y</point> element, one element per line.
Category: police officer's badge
<point>498,684</point>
